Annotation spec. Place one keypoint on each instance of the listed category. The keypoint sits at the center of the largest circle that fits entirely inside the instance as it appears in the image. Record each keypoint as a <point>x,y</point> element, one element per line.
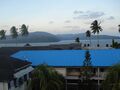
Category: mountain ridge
<point>82,36</point>
<point>38,37</point>
<point>33,37</point>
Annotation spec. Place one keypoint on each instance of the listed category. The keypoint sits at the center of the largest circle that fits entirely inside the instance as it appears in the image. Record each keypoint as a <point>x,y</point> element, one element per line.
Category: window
<point>25,77</point>
<point>20,81</point>
<point>102,69</point>
<point>9,85</point>
<point>94,70</point>
<point>15,82</point>
<point>29,74</point>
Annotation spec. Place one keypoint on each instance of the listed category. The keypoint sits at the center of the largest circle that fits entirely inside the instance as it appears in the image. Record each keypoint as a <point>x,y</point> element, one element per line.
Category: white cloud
<point>78,12</point>
<point>67,21</point>
<point>88,14</point>
<point>111,18</point>
<point>51,22</point>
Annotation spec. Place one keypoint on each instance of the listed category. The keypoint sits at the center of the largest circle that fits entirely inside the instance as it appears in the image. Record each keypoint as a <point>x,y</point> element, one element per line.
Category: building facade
<point>69,63</point>
<point>14,73</point>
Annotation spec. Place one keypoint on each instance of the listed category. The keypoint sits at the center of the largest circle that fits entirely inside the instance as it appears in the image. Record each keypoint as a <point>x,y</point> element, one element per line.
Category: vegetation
<point>77,40</point>
<point>115,44</point>
<point>112,81</point>
<point>96,28</point>
<point>86,83</point>
<point>87,66</point>
<point>24,30</point>
<point>2,34</point>
<point>14,32</point>
<point>88,34</point>
<point>46,78</point>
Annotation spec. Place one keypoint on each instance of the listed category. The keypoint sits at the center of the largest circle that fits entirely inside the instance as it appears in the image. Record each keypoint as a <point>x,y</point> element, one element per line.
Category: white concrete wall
<point>23,72</point>
<point>19,74</point>
<point>3,86</point>
<point>61,71</point>
<point>22,87</point>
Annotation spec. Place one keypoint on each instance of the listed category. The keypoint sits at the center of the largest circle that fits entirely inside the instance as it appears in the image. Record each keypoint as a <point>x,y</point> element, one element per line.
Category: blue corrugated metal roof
<point>69,57</point>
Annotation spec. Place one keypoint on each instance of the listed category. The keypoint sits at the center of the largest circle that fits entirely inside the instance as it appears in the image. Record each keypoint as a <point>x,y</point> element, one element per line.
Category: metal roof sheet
<point>69,57</point>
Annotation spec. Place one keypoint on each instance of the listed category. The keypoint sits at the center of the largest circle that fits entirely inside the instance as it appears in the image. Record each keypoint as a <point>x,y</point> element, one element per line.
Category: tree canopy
<point>112,81</point>
<point>95,27</point>
<point>87,66</point>
<point>2,34</point>
<point>88,33</point>
<point>46,78</point>
<point>14,32</point>
<point>77,40</point>
<point>24,30</point>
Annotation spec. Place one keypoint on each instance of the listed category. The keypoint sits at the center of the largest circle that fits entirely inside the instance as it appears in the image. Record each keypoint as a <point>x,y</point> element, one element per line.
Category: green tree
<point>87,66</point>
<point>46,78</point>
<point>77,40</point>
<point>14,32</point>
<point>2,34</point>
<point>24,30</point>
<point>112,81</point>
<point>88,34</point>
<point>96,28</point>
<point>86,73</point>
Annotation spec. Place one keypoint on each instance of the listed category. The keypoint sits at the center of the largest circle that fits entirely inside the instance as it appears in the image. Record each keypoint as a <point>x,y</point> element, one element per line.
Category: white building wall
<point>61,71</point>
<point>23,72</point>
<point>3,86</point>
<point>22,87</point>
<point>18,75</point>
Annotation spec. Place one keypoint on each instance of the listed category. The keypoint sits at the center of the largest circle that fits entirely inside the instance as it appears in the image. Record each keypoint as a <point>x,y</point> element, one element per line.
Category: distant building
<point>14,73</point>
<point>69,62</point>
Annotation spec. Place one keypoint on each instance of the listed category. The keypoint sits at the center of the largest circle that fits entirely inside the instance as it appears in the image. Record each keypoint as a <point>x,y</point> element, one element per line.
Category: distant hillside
<point>82,36</point>
<point>37,37</point>
<point>34,37</point>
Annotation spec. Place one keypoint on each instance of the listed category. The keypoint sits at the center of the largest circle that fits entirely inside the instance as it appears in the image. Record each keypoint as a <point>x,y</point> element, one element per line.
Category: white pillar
<point>3,86</point>
<point>66,84</point>
<point>98,75</point>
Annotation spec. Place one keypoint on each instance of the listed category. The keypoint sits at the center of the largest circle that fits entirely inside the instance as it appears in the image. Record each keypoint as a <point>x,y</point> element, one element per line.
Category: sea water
<point>102,43</point>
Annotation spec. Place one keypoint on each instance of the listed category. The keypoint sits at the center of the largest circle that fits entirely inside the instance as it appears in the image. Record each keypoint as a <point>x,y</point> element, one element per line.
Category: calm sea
<point>102,42</point>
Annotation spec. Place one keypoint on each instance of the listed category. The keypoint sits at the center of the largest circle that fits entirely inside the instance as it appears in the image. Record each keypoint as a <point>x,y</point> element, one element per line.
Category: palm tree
<point>14,33</point>
<point>77,40</point>
<point>46,78</point>
<point>96,28</point>
<point>112,81</point>
<point>2,34</point>
<point>24,30</point>
<point>88,34</point>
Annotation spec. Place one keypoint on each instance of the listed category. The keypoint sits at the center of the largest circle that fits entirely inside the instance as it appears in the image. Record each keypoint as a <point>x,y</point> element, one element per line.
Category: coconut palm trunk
<point>90,41</point>
<point>97,39</point>
<point>16,42</point>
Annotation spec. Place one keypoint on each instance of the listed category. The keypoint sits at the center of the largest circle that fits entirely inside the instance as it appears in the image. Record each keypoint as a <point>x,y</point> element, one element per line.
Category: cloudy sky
<point>60,16</point>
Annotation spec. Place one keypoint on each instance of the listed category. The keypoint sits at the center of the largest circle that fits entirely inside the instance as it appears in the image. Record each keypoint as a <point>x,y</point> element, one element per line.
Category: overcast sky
<point>60,16</point>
